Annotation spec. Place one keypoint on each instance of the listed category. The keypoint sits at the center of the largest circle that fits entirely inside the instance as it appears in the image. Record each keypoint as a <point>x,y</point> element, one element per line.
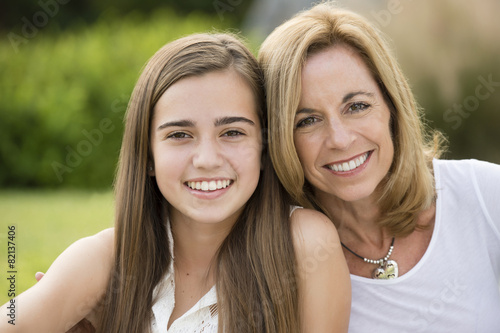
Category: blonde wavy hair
<point>409,186</point>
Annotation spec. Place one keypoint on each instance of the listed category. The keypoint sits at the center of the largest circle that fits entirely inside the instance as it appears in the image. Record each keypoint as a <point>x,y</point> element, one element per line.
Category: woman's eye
<point>178,135</point>
<point>306,122</point>
<point>232,133</point>
<point>357,107</point>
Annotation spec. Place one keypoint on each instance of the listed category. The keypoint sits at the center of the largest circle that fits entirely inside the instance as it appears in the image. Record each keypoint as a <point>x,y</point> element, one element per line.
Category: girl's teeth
<point>209,185</point>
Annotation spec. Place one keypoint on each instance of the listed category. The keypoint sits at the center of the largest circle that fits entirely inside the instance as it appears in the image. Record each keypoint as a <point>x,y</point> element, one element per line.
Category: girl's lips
<point>352,166</point>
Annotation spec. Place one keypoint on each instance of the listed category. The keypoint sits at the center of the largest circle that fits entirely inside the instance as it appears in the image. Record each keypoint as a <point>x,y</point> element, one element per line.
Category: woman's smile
<point>342,126</point>
<point>357,163</point>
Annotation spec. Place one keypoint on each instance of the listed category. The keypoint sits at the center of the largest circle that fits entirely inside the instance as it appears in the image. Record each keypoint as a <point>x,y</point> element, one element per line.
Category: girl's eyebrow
<point>229,120</point>
<point>218,122</point>
<point>176,123</point>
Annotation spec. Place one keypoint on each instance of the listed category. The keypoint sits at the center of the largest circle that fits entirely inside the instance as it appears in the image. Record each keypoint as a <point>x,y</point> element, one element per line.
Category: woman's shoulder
<point>466,166</point>
<point>480,175</point>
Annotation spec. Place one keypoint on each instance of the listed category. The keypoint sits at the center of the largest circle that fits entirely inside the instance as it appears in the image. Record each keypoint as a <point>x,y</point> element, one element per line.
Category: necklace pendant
<point>387,270</point>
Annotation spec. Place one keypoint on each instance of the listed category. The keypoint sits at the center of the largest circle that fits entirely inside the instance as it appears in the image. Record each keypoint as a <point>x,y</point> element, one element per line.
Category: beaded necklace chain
<point>388,269</point>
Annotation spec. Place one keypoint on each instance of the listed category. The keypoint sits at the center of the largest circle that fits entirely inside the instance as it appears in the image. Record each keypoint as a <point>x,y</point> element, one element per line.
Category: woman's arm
<point>69,291</point>
<point>323,277</point>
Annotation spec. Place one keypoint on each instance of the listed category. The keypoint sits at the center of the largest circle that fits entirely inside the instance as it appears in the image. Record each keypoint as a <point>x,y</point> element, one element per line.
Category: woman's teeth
<point>350,165</point>
<point>210,185</point>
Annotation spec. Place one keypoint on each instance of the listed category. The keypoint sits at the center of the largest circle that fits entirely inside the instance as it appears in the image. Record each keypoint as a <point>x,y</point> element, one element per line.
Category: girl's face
<point>206,145</point>
<point>341,128</point>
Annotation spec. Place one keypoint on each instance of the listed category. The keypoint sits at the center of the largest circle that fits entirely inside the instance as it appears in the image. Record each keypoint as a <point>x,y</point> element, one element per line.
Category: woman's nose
<point>339,135</point>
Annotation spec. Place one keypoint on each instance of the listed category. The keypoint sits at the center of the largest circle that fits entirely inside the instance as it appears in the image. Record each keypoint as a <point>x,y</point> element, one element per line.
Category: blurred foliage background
<point>67,69</point>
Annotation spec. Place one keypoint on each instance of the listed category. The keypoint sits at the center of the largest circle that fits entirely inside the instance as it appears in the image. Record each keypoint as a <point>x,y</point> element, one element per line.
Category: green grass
<point>47,222</point>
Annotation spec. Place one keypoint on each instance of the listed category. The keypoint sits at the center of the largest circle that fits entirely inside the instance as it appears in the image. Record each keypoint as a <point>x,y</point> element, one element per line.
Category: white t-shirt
<point>455,286</point>
<point>202,317</point>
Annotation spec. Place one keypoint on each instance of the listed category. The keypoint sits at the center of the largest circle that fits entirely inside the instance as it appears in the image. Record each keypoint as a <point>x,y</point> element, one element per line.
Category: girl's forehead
<point>207,97</point>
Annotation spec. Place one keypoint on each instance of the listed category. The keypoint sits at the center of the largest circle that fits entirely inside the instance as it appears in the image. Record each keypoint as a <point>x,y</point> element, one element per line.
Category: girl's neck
<point>195,243</point>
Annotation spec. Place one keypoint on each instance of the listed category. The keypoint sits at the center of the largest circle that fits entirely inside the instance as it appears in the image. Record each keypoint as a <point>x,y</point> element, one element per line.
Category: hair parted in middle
<point>252,295</point>
<point>409,185</point>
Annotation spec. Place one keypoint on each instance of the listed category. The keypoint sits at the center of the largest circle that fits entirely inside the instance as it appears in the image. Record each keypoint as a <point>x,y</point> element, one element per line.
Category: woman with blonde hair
<point>421,236</point>
<point>205,239</point>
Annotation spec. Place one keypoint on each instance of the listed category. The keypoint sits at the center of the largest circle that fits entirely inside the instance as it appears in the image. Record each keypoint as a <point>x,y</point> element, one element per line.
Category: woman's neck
<point>356,221</point>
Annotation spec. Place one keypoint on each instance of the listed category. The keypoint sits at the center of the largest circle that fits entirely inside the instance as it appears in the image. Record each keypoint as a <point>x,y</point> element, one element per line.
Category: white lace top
<point>202,317</point>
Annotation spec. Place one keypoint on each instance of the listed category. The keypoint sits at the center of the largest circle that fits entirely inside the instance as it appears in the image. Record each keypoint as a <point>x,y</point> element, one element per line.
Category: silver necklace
<point>388,269</point>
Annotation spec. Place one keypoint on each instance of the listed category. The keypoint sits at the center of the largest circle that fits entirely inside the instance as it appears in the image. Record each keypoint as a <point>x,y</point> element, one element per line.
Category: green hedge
<point>471,121</point>
<point>64,96</point>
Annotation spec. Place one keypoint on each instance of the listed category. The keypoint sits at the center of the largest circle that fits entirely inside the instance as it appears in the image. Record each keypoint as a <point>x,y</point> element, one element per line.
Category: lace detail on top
<point>293,208</point>
<point>202,317</point>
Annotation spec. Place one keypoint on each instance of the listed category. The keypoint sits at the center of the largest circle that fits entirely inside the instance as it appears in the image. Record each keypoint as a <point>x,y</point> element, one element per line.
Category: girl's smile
<point>206,146</point>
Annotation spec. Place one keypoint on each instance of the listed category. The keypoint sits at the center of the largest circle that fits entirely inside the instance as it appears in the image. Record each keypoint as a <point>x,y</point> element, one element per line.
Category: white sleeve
<point>486,180</point>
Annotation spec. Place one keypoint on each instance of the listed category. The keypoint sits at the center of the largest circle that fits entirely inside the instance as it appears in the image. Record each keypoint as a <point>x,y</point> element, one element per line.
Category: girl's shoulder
<point>71,288</point>
<point>322,270</point>
<point>311,229</point>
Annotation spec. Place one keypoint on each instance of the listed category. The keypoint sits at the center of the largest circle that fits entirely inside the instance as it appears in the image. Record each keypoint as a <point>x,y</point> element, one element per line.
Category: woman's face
<point>341,128</point>
<point>206,145</point>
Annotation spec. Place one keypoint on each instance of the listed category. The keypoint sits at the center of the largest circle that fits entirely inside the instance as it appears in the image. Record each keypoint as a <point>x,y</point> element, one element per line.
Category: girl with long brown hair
<point>205,239</point>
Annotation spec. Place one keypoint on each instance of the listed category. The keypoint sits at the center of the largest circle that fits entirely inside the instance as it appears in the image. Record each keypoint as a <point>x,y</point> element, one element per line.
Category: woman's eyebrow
<point>345,99</point>
<point>349,96</point>
<point>176,123</point>
<point>229,120</point>
<point>304,110</point>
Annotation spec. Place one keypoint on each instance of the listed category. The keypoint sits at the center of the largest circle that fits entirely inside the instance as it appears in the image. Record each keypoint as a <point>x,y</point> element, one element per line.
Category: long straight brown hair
<point>255,265</point>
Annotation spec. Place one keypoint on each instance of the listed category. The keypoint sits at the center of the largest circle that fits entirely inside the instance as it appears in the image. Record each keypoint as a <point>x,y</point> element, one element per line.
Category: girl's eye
<point>358,107</point>
<point>306,122</point>
<point>178,135</point>
<point>233,133</point>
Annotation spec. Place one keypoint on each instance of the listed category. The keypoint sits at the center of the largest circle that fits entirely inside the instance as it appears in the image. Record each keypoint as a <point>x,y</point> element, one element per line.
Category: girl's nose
<point>207,155</point>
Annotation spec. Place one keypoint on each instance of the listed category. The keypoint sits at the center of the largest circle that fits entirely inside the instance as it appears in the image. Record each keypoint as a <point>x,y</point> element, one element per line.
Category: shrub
<point>64,96</point>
